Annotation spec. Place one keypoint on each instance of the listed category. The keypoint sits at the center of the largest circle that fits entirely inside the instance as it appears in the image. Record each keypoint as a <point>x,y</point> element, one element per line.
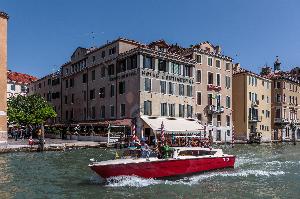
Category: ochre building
<point>3,77</point>
<point>251,106</point>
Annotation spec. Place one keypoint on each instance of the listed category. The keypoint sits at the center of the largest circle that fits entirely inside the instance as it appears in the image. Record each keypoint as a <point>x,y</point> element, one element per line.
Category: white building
<point>17,83</point>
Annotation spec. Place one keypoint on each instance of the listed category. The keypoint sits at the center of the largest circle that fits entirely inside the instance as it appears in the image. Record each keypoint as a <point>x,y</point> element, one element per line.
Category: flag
<point>162,132</point>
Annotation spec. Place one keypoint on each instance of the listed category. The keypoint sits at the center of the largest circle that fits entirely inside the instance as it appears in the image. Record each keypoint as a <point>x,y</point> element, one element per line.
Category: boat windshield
<point>132,153</point>
<point>138,153</point>
<point>196,153</point>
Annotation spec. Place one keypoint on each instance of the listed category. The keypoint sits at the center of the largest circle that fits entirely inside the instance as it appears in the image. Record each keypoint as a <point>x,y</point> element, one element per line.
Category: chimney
<point>218,49</point>
<point>236,67</point>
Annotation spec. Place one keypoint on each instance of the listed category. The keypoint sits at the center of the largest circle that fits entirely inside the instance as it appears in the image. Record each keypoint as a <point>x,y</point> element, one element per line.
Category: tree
<point>29,110</point>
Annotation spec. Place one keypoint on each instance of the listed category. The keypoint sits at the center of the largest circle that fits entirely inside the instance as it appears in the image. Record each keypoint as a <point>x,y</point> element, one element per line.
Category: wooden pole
<point>108,134</point>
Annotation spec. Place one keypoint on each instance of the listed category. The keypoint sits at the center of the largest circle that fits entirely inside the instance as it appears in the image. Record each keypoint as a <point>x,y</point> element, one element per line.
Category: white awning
<point>180,125</point>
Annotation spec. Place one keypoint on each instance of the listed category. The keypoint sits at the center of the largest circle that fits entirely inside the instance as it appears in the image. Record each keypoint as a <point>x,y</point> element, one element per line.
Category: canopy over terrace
<point>174,125</point>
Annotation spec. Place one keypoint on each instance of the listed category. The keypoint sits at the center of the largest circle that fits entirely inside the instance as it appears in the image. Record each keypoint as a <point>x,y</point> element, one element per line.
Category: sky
<point>43,34</point>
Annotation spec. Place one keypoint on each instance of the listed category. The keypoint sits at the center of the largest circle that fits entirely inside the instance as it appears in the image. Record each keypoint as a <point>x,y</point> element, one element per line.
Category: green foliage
<point>25,110</point>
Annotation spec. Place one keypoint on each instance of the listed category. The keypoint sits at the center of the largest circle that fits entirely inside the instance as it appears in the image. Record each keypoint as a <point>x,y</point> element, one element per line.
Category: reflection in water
<point>264,171</point>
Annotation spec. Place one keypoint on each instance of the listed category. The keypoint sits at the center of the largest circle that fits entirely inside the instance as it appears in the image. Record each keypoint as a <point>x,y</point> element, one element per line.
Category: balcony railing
<point>211,87</point>
<point>281,120</point>
<point>254,118</point>
<point>211,109</point>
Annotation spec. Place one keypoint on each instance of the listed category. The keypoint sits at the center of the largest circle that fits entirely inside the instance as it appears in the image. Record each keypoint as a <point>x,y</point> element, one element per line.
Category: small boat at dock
<point>180,161</point>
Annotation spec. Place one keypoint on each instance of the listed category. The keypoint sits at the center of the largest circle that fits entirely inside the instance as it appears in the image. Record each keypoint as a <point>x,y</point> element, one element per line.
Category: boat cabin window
<point>196,153</point>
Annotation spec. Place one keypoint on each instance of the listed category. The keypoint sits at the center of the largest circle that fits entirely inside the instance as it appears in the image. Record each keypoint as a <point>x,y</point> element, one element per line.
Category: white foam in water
<point>276,162</point>
<point>133,181</point>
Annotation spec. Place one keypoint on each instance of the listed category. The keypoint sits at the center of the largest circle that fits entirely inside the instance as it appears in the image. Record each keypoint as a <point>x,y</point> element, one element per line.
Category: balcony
<point>281,120</point>
<point>254,118</point>
<point>296,121</point>
<point>211,109</point>
<point>211,87</point>
<point>255,103</point>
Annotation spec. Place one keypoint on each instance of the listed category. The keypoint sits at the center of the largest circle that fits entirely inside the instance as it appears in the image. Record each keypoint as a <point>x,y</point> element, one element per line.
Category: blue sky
<point>43,34</point>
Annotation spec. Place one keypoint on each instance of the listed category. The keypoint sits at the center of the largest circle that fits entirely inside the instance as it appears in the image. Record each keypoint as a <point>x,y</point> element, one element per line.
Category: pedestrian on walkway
<point>16,134</point>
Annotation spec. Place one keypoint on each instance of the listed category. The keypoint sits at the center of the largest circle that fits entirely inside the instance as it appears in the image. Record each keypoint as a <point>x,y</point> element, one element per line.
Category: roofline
<point>208,53</point>
<point>251,73</point>
<point>168,54</point>
<point>114,41</point>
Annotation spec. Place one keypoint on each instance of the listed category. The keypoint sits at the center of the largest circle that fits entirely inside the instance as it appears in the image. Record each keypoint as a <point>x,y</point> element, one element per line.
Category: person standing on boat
<point>145,149</point>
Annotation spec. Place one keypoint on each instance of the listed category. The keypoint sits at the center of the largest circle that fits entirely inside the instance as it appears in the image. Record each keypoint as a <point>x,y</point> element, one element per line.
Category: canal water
<point>261,171</point>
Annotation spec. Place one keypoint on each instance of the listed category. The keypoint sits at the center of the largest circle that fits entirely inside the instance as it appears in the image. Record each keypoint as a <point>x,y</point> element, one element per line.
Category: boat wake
<point>134,181</point>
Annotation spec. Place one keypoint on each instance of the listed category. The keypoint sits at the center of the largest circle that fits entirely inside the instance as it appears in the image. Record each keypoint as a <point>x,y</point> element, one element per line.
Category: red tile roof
<point>20,77</point>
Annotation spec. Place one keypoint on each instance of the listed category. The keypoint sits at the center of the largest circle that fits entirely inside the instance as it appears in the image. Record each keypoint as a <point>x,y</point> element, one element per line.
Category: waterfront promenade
<point>50,145</point>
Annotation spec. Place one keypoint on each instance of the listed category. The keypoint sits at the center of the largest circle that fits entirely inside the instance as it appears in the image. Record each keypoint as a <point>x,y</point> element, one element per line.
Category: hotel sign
<point>153,74</point>
<point>165,76</point>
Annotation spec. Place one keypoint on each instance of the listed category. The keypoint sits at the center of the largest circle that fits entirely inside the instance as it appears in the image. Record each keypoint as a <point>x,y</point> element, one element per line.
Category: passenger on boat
<point>167,151</point>
<point>158,150</point>
<point>145,149</point>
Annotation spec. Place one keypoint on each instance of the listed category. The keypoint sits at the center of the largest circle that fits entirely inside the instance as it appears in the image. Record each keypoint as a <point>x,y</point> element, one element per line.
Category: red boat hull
<point>164,168</point>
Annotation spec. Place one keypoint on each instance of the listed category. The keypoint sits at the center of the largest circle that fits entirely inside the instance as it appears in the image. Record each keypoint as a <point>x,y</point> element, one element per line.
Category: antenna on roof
<point>93,39</point>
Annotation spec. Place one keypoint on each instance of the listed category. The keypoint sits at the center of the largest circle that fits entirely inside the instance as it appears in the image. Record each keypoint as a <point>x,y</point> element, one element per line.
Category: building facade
<point>17,83</point>
<point>251,106</point>
<point>49,87</point>
<point>285,95</point>
<point>285,117</point>
<point>3,78</point>
<point>127,79</point>
<point>213,89</point>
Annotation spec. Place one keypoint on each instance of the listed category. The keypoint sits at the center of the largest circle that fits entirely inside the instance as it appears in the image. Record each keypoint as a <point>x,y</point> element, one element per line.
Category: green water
<point>266,171</point>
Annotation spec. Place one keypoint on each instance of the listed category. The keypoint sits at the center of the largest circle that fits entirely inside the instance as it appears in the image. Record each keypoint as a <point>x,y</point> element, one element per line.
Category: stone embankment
<point>50,145</point>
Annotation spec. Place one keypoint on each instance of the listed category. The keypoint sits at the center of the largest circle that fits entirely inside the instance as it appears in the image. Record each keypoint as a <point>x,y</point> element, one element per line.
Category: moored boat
<point>183,161</point>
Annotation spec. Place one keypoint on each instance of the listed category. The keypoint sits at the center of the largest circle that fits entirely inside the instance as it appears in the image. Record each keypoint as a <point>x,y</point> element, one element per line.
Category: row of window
<point>83,63</point>
<point>102,92</point>
<point>164,66</point>
<point>169,109</point>
<point>253,113</point>
<point>211,97</point>
<point>210,62</point>
<point>169,88</point>
<point>292,99</point>
<point>210,79</point>
<point>253,97</point>
<point>102,112</point>
<point>13,88</point>
<point>292,114</point>
<point>264,127</point>
<point>253,82</point>
<point>219,121</point>
<point>285,85</point>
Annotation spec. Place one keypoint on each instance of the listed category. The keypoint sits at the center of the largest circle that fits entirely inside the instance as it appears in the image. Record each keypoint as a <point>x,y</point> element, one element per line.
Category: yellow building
<point>3,77</point>
<point>251,106</point>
